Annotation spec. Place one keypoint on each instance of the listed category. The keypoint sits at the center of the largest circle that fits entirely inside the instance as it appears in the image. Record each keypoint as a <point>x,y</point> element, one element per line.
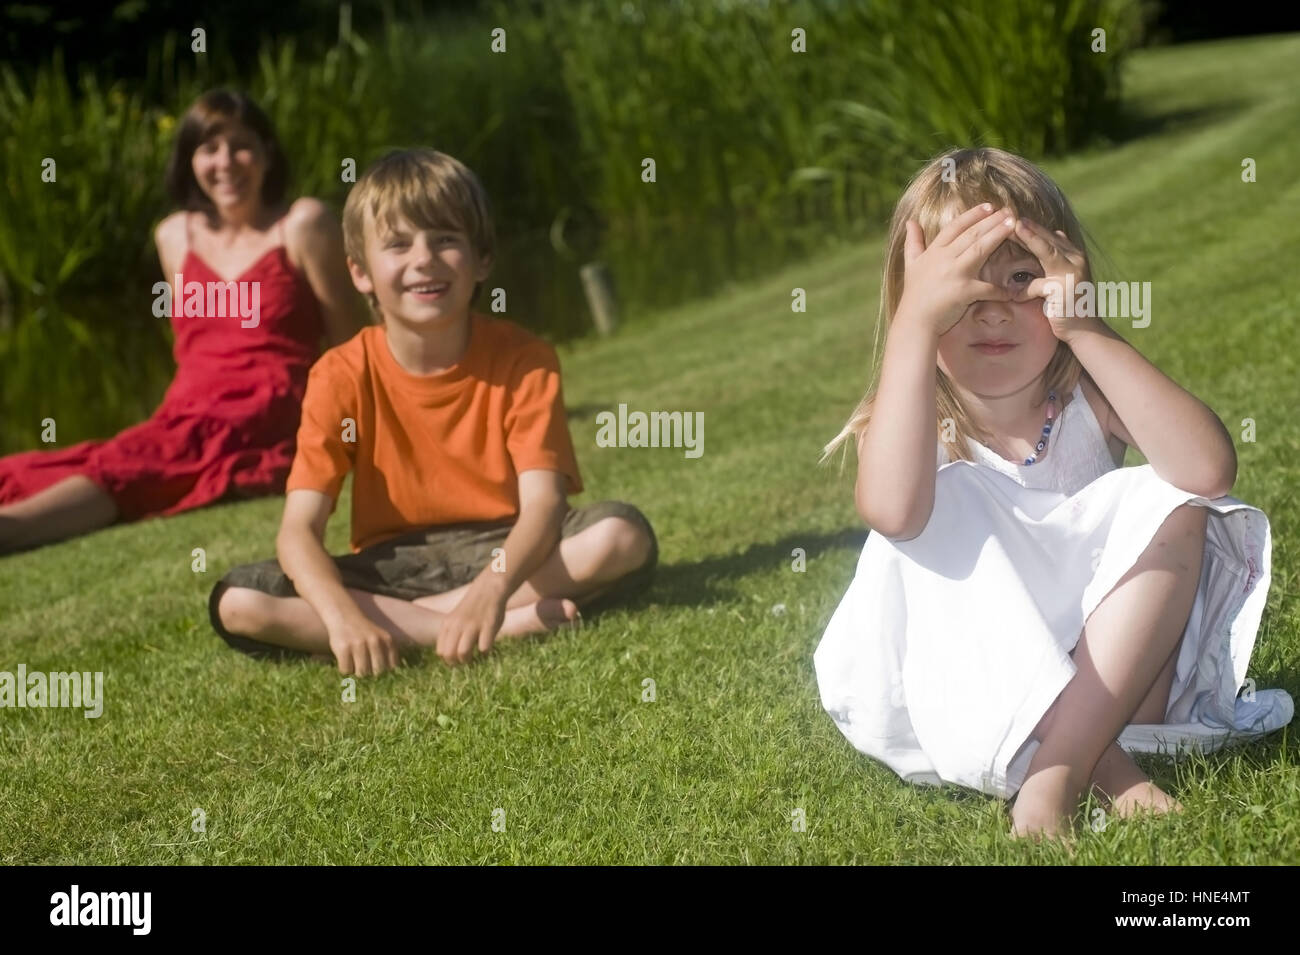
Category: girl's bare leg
<point>1116,778</point>
<point>1127,642</point>
<point>73,506</point>
<point>580,568</point>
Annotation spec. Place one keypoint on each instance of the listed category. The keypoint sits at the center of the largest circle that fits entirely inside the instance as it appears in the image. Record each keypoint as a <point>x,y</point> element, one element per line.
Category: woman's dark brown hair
<point>210,113</point>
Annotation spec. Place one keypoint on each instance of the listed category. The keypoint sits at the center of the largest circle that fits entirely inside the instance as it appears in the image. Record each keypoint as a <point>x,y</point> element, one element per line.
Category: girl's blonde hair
<point>947,185</point>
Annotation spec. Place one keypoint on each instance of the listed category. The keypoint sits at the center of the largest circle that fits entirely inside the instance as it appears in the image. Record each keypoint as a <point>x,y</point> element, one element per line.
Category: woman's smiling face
<point>1022,325</point>
<point>230,165</point>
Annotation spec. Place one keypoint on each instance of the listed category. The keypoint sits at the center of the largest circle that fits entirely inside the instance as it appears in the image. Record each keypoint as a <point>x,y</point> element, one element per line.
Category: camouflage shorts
<point>432,561</point>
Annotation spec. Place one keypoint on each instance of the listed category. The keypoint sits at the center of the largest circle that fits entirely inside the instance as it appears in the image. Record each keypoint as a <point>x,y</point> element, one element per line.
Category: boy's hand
<point>363,647</point>
<point>942,281</point>
<point>1063,267</point>
<point>476,621</point>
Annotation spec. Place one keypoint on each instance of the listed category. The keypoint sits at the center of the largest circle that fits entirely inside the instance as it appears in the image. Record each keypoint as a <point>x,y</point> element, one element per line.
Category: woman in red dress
<point>227,424</point>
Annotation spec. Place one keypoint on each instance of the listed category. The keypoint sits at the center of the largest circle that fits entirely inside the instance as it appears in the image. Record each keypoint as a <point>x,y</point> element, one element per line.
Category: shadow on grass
<point>1136,123</point>
<point>712,579</point>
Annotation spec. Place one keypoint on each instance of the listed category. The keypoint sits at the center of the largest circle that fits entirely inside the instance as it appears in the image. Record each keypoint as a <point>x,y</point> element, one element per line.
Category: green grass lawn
<point>554,732</point>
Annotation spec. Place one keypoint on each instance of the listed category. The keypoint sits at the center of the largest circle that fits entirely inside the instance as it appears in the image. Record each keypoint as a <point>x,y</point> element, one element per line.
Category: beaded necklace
<point>1047,428</point>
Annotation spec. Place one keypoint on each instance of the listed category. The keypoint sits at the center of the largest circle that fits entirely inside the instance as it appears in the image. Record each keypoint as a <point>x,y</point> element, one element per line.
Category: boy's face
<point>1022,324</point>
<point>421,277</point>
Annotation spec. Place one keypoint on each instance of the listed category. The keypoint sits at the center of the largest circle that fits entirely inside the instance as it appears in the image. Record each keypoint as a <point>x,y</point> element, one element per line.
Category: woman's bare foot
<point>1119,780</point>
<point>549,613</point>
<point>1045,804</point>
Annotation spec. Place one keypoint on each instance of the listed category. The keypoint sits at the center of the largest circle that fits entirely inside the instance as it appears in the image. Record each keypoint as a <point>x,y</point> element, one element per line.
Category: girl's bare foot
<point>1045,804</point>
<point>549,613</point>
<point>1145,797</point>
<point>1119,780</point>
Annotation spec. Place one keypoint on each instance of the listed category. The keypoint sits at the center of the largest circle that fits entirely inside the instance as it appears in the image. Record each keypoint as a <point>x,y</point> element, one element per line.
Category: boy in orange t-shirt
<point>454,427</point>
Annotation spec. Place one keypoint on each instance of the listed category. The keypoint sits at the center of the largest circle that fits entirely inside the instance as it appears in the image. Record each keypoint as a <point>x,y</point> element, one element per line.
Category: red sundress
<point>228,423</point>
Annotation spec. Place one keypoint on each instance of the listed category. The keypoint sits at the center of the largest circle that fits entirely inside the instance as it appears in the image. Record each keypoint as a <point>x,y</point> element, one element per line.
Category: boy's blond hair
<point>934,199</point>
<point>430,189</point>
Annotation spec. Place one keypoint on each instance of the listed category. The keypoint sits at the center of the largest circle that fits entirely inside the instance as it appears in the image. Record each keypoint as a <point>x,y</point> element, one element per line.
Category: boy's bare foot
<point>1045,805</point>
<point>549,613</point>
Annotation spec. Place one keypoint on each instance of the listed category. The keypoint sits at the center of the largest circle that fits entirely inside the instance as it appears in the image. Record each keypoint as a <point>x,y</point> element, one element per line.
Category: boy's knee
<point>241,610</point>
<point>625,542</point>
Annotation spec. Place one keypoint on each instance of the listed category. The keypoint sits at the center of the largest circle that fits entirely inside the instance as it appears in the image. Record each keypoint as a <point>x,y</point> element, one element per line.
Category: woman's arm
<point>1184,440</point>
<point>169,240</point>
<point>315,241</point>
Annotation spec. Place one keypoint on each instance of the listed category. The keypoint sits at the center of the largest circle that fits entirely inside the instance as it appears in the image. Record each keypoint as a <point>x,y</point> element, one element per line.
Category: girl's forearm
<point>1184,441</point>
<point>896,455</point>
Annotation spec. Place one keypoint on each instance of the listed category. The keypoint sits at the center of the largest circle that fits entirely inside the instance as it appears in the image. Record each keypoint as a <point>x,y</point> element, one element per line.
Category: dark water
<point>651,269</point>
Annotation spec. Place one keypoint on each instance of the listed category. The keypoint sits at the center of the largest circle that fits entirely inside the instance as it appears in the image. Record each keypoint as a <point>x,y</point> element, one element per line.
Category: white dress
<point>948,648</point>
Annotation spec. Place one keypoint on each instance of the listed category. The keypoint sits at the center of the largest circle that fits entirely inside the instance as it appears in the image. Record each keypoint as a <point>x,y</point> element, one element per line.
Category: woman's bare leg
<point>1127,643</point>
<point>73,506</point>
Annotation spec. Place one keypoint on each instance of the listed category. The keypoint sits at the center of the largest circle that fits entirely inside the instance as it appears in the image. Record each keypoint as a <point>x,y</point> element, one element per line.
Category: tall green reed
<point>762,153</point>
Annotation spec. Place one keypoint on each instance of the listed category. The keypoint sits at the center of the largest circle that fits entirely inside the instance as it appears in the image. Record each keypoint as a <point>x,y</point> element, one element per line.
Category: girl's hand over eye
<point>940,282</point>
<point>1063,269</point>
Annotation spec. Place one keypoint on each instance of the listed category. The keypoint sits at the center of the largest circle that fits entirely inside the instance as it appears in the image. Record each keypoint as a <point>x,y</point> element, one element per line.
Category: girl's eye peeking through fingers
<point>1028,276</point>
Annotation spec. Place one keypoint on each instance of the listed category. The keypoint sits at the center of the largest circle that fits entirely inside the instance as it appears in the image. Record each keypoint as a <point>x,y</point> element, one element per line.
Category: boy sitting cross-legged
<point>453,425</point>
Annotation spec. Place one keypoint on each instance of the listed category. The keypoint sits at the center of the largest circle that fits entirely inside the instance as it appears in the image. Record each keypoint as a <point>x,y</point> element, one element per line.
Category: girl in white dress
<point>1026,609</point>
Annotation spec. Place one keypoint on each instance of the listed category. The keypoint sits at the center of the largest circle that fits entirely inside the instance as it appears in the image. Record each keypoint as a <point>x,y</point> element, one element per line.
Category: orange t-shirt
<point>433,449</point>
